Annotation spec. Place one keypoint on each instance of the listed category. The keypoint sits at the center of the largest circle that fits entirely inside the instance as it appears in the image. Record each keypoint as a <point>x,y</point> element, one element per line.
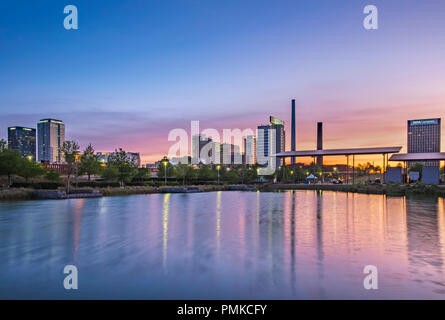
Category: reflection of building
<point>424,235</point>
<point>271,140</point>
<point>134,157</point>
<point>250,150</point>
<point>51,136</point>
<point>23,140</point>
<point>424,136</point>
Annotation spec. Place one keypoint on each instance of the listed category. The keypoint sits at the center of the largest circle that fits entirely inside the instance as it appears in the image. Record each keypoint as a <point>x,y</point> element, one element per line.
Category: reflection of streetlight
<point>165,162</point>
<point>217,168</point>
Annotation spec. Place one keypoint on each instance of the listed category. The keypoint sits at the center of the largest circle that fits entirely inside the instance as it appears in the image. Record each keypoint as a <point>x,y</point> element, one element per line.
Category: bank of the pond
<point>390,190</point>
<point>32,194</point>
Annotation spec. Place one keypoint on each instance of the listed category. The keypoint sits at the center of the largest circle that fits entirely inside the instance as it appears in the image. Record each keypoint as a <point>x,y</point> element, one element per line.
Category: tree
<point>184,171</point>
<point>3,145</point>
<point>125,167</point>
<point>142,174</point>
<point>89,164</point>
<point>70,151</point>
<point>10,161</point>
<point>52,175</point>
<point>232,176</point>
<point>30,169</point>
<point>416,167</point>
<point>205,173</point>
<point>110,173</point>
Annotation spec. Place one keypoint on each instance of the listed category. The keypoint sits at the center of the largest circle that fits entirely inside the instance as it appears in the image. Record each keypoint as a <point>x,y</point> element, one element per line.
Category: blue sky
<point>136,69</point>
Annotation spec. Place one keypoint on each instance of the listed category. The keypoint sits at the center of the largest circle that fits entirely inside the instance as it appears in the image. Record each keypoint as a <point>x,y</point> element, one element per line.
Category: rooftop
<point>339,152</point>
<point>418,156</point>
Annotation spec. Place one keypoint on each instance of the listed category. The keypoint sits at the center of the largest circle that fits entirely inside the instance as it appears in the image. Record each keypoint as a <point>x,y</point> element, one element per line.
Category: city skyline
<point>136,87</point>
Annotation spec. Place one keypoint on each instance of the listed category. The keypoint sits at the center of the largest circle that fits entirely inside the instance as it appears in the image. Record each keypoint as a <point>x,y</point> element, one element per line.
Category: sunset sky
<point>137,69</point>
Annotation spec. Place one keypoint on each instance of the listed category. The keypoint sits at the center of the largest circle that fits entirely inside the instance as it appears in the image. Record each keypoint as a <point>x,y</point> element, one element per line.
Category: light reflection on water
<point>288,245</point>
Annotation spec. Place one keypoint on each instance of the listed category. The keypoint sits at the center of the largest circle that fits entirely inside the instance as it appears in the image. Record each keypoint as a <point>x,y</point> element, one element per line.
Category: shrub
<point>37,185</point>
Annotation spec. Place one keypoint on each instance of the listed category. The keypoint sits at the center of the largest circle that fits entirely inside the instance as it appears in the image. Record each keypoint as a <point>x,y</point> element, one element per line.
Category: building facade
<point>424,136</point>
<point>250,150</point>
<point>51,136</point>
<point>271,140</point>
<point>201,149</point>
<point>23,140</point>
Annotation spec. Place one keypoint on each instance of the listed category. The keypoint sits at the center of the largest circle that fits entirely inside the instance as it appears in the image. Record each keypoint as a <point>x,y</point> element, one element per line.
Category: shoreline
<point>20,194</point>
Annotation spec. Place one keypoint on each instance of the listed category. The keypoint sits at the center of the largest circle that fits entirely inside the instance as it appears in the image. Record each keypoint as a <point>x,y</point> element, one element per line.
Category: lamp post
<point>165,163</point>
<point>76,160</point>
<point>217,168</point>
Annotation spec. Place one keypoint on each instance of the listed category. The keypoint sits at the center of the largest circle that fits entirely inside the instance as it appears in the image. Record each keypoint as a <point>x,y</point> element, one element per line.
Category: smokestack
<point>293,131</point>
<point>320,142</point>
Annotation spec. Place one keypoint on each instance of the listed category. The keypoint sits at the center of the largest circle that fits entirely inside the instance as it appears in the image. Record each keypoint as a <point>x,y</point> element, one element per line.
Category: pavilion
<point>384,151</point>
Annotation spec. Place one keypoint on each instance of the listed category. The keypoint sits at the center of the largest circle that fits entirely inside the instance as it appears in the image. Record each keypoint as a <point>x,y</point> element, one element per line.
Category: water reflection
<point>165,229</point>
<point>297,244</point>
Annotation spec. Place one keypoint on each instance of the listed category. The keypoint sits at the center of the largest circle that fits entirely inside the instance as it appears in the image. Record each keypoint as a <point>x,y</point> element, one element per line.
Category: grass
<point>389,189</point>
<point>16,194</point>
<point>148,190</point>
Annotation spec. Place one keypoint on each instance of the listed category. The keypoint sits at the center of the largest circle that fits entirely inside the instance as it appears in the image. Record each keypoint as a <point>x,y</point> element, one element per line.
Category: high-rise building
<point>250,150</point>
<point>51,136</point>
<point>201,149</point>
<point>271,140</point>
<point>23,140</point>
<point>424,136</point>
<point>230,154</point>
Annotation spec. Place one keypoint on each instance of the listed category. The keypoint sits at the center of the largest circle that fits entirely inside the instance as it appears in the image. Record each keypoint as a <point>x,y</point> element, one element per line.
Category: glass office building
<point>23,140</point>
<point>270,140</point>
<point>51,136</point>
<point>424,136</point>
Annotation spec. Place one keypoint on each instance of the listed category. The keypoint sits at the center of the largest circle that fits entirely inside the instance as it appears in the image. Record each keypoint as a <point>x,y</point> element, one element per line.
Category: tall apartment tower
<point>424,136</point>
<point>23,140</point>
<point>50,139</point>
<point>270,140</point>
<point>201,149</point>
<point>250,149</point>
<point>320,142</point>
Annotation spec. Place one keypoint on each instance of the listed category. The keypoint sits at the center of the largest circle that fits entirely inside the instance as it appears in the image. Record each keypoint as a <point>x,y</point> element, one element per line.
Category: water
<point>287,245</point>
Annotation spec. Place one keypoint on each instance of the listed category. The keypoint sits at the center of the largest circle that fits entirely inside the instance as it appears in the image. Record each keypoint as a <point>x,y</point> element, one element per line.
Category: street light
<point>165,163</point>
<point>77,157</point>
<point>217,168</point>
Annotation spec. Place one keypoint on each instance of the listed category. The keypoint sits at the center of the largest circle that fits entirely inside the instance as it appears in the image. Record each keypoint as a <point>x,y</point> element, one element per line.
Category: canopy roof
<point>426,156</point>
<point>338,152</point>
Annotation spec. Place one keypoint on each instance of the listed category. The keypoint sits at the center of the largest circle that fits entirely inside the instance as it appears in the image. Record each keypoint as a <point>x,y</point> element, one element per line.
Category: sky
<point>134,70</point>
